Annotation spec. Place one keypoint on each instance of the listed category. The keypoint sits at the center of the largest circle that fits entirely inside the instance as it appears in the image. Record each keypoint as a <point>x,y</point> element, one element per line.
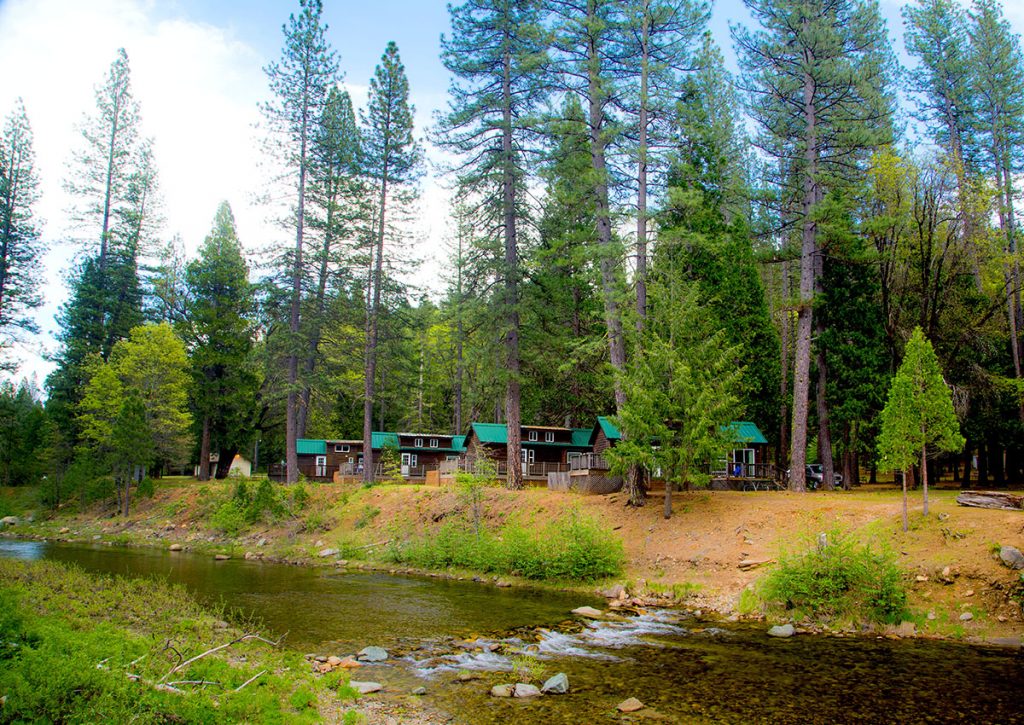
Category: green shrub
<point>840,579</point>
<point>368,513</point>
<point>571,547</point>
<point>146,487</point>
<point>229,518</point>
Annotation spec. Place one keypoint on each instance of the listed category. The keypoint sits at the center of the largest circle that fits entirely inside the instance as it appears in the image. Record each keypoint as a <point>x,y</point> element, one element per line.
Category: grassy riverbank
<point>82,648</point>
<point>713,554</point>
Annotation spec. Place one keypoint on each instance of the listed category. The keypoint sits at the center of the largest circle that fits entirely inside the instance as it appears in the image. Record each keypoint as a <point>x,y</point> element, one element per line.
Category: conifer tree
<point>112,184</point>
<point>918,415</point>
<point>21,249</point>
<point>392,161</point>
<point>998,80</point>
<point>818,77</point>
<point>337,223</point>
<point>218,332</point>
<point>682,385</point>
<point>495,52</point>
<point>299,81</point>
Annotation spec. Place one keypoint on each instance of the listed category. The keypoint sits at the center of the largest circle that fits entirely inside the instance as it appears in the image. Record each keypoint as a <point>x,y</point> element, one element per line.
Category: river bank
<point>715,548</point>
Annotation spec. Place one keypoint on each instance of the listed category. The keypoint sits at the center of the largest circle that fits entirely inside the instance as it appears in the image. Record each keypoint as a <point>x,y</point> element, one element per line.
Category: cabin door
<point>743,462</point>
<point>321,466</point>
<point>408,463</point>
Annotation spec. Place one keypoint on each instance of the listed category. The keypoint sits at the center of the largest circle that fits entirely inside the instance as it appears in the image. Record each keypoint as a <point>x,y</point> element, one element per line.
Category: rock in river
<point>9,521</point>
<point>588,612</point>
<point>782,630</point>
<point>557,685</point>
<point>176,547</point>
<point>503,690</point>
<point>324,553</point>
<point>630,705</point>
<point>523,690</point>
<point>365,688</point>
<point>1012,557</point>
<point>372,654</point>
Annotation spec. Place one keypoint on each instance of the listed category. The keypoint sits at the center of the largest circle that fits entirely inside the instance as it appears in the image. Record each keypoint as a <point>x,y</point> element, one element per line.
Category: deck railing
<point>735,469</point>
<point>499,468</point>
<point>588,462</point>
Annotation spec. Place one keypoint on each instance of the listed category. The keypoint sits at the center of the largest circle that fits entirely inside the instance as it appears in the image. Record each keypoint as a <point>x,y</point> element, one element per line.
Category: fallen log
<point>991,500</point>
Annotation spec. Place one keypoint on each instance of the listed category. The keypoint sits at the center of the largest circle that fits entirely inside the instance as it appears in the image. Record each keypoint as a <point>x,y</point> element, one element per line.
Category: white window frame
<point>528,455</point>
<point>418,443</point>
<point>433,442</point>
<point>531,435</point>
<point>341,448</point>
<point>549,437</point>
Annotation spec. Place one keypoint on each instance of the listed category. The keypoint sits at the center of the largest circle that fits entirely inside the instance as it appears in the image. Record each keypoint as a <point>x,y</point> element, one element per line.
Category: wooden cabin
<point>746,467</point>
<point>326,460</point>
<point>545,449</point>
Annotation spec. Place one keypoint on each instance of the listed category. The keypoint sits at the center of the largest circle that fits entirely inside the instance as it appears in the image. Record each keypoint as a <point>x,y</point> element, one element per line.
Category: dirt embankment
<point>715,545</point>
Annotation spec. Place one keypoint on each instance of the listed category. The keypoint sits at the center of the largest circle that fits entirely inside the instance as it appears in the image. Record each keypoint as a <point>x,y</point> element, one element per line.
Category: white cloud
<point>198,87</point>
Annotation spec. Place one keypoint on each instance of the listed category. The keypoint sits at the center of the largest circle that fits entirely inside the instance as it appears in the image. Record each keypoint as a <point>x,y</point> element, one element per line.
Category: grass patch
<point>572,547</point>
<point>843,581</point>
<point>78,648</point>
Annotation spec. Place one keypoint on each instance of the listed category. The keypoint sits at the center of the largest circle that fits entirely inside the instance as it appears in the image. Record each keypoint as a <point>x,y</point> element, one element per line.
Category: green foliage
<point>77,637</point>
<point>247,506</point>
<point>146,487</point>
<point>840,580</point>
<point>919,412</point>
<point>681,387</point>
<point>23,435</point>
<point>527,668</point>
<point>366,516</point>
<point>570,548</point>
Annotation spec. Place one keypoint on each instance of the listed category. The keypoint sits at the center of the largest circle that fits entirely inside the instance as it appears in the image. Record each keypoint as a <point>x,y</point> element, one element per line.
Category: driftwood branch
<point>251,679</point>
<point>218,648</point>
<point>991,500</point>
<point>379,543</point>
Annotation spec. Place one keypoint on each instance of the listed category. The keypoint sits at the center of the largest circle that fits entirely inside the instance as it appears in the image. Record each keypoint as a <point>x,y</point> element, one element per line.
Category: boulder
<point>334,661</point>
<point>10,521</point>
<point>557,685</point>
<point>365,688</point>
<point>630,705</point>
<point>782,630</point>
<point>588,612</point>
<point>502,583</point>
<point>468,676</point>
<point>65,530</point>
<point>503,690</point>
<point>616,592</point>
<point>261,542</point>
<point>419,691</point>
<point>349,663</point>
<point>176,547</point>
<point>324,553</point>
<point>966,617</point>
<point>221,557</point>
<point>524,690</point>
<point>1012,557</point>
<point>372,654</point>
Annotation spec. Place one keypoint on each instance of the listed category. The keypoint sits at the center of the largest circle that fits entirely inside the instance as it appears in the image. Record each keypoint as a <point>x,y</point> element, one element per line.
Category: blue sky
<point>197,72</point>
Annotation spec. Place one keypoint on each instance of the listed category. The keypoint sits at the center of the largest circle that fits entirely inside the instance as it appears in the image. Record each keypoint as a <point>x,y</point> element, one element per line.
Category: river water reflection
<point>684,670</point>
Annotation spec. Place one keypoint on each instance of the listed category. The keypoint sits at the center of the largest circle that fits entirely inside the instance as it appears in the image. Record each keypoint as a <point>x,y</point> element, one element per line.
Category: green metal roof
<point>611,431</point>
<point>308,447</point>
<point>490,432</point>
<point>581,437</point>
<point>458,443</point>
<point>746,432</point>
<point>379,439</point>
<point>497,433</point>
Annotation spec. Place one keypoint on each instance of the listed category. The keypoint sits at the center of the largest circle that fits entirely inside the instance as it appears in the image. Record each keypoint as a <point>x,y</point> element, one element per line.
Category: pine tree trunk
<point>808,251</point>
<point>291,411</point>
<point>512,368</point>
<point>784,358</point>
<point>372,321</point>
<point>906,475</point>
<point>924,475</point>
<point>824,429</point>
<point>204,451</point>
<point>641,177</point>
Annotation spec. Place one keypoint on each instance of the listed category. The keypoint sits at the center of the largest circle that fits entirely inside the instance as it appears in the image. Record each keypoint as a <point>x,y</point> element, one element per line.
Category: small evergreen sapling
<point>919,414</point>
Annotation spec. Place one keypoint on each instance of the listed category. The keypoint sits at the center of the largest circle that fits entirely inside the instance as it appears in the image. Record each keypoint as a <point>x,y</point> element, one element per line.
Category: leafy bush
<point>837,578</point>
<point>229,518</point>
<point>571,547</point>
<point>146,487</point>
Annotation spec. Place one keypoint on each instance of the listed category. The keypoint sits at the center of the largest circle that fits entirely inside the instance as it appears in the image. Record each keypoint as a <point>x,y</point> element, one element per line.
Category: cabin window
<point>341,448</point>
<point>532,435</point>
<point>419,443</point>
<point>451,458</point>
<point>528,455</point>
<point>433,442</point>
<point>549,437</point>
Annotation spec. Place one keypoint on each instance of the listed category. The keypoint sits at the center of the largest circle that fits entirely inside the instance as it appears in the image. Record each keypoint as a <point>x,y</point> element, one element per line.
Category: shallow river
<point>684,670</point>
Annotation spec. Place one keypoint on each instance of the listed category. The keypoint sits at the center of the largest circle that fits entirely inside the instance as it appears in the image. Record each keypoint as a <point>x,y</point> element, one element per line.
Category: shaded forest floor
<point>716,546</point>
